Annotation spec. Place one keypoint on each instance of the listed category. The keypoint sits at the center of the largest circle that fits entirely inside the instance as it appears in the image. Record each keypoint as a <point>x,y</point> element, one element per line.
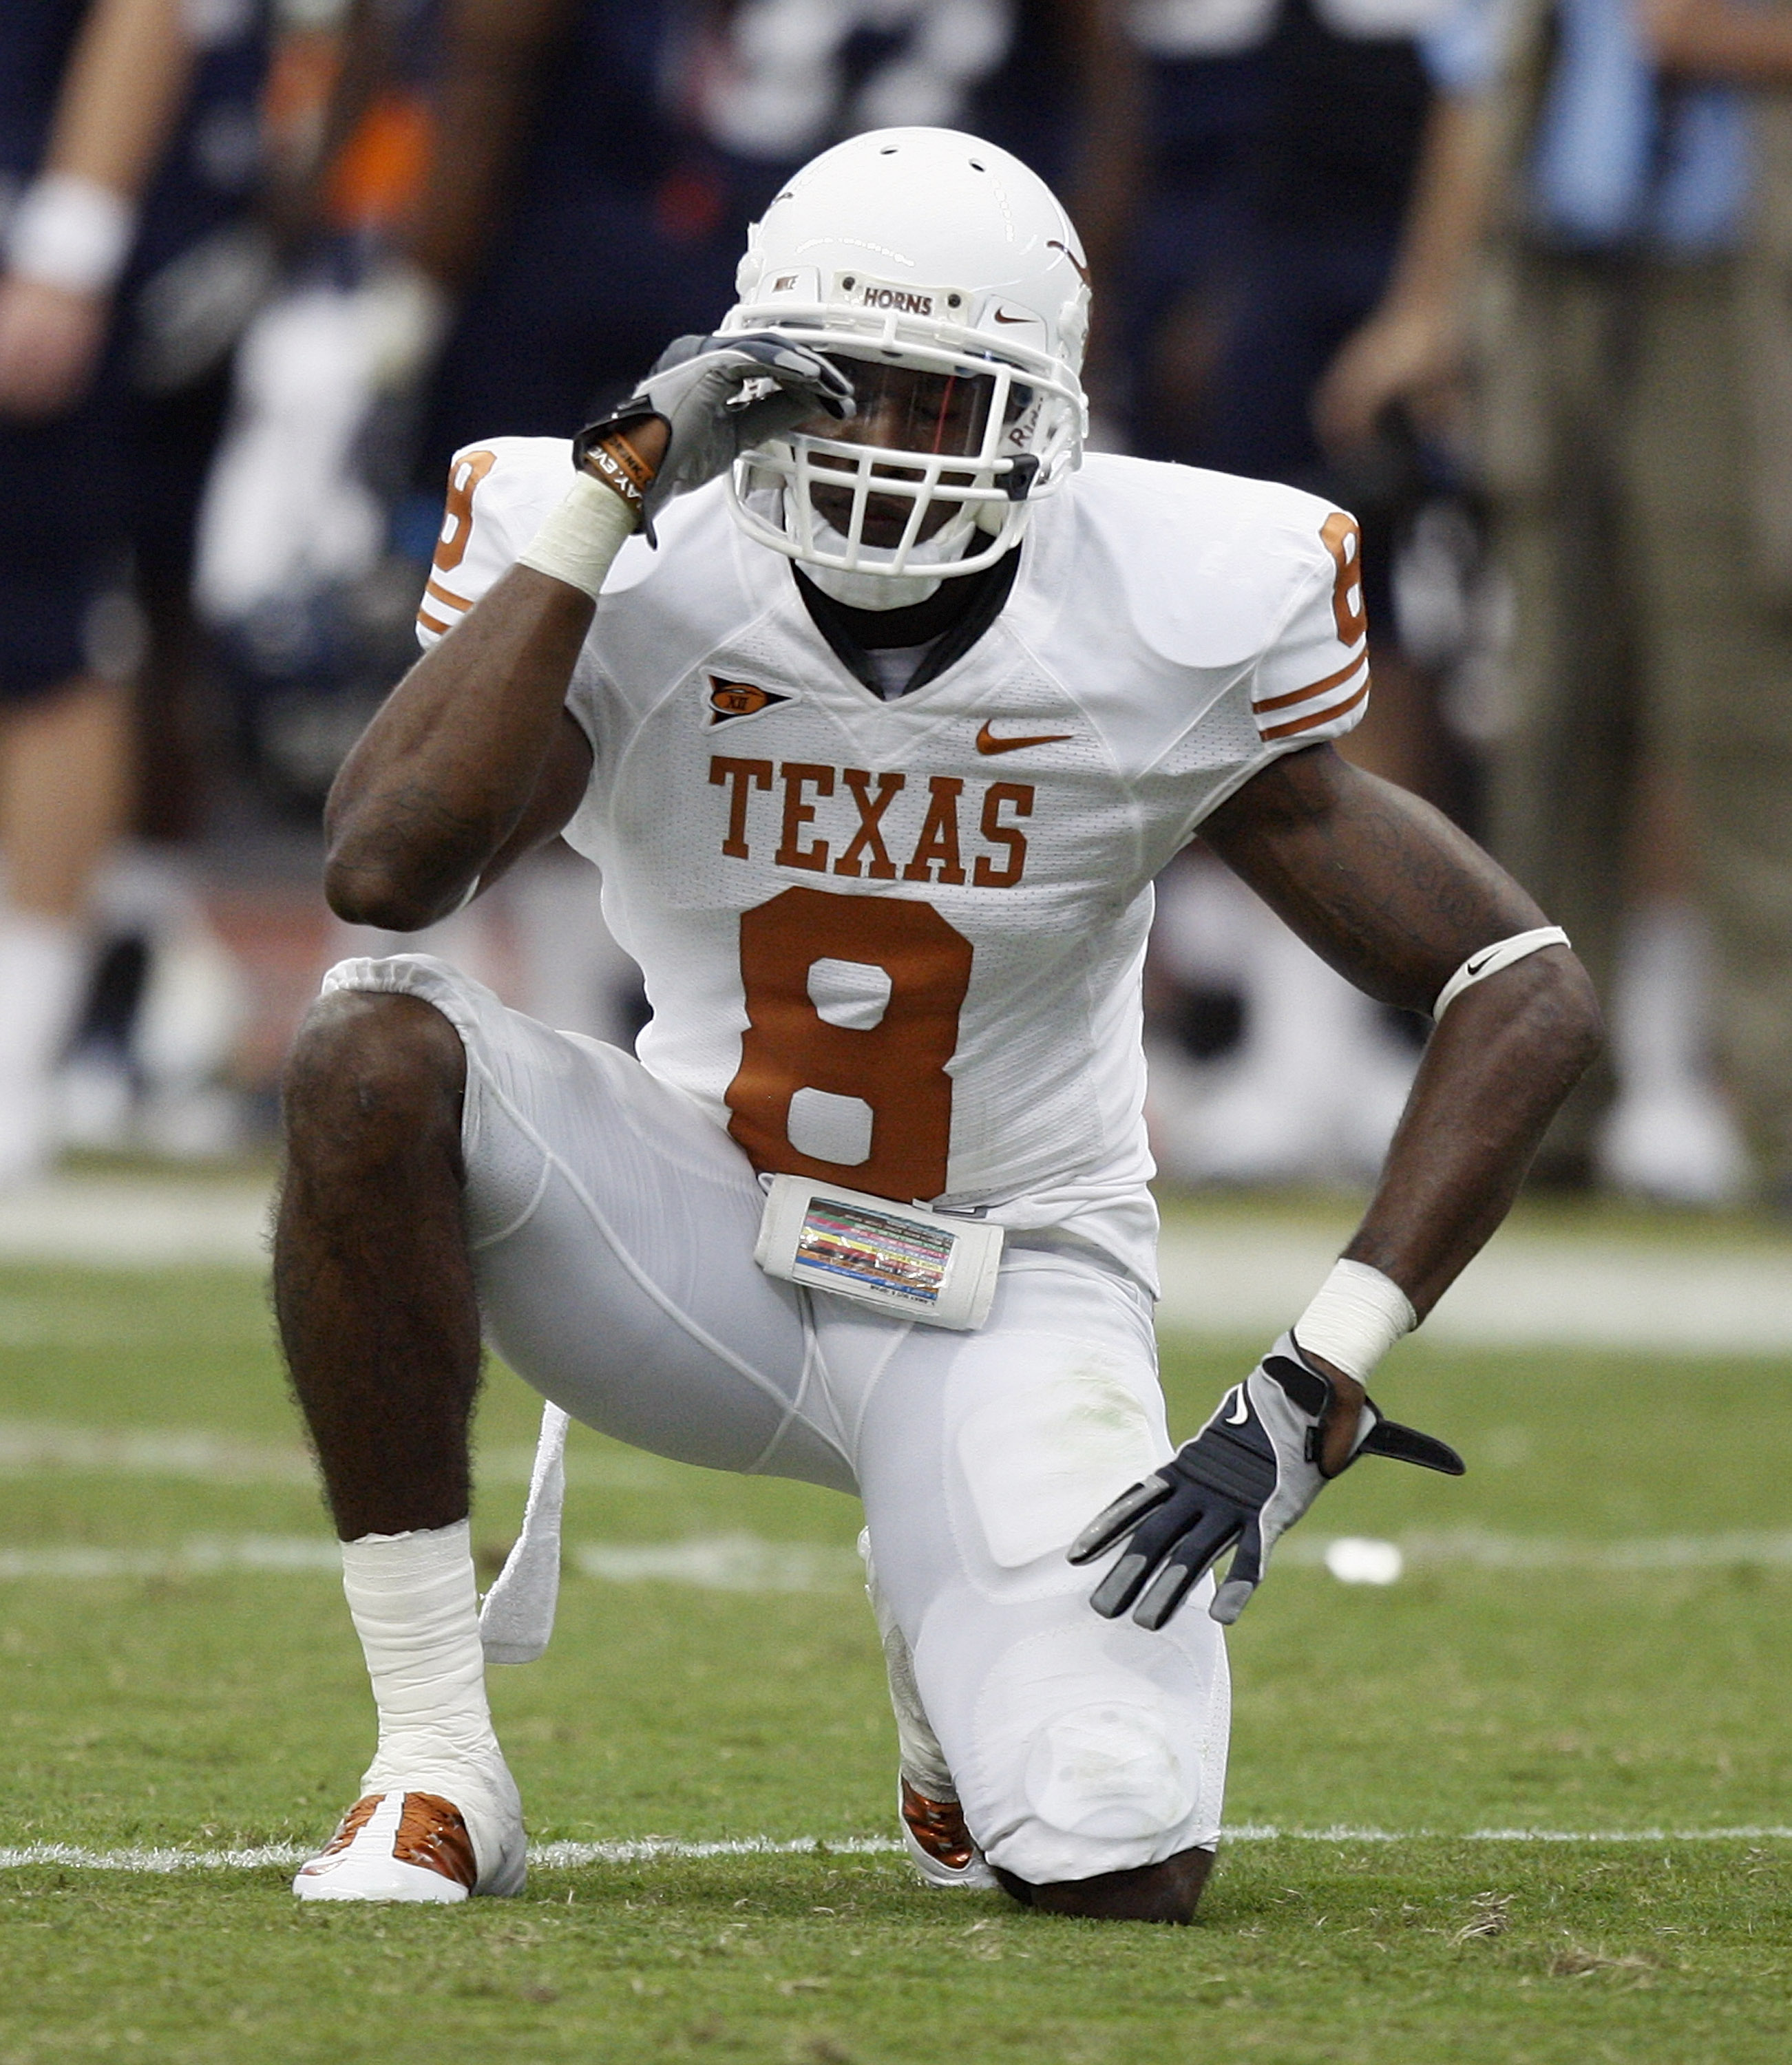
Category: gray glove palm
<point>1246,1478</point>
<point>718,397</point>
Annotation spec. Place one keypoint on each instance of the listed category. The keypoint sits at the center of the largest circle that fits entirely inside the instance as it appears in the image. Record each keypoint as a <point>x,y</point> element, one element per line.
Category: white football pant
<point>611,1225</point>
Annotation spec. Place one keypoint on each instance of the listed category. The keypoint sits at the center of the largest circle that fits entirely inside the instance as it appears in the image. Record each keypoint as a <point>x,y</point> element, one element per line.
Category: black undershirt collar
<point>956,615</point>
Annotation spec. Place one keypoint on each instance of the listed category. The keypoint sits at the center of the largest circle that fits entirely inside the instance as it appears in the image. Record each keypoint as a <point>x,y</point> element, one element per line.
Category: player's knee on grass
<point>1081,1756</point>
<point>1113,1778</point>
<point>1167,1892</point>
<point>373,1077</point>
<point>1082,1750</point>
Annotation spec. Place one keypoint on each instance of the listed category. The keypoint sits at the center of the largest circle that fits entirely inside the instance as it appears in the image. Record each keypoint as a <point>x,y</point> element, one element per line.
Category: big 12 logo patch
<point>732,699</point>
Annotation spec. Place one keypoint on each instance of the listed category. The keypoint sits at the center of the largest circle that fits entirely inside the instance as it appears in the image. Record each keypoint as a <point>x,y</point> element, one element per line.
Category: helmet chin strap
<point>880,591</point>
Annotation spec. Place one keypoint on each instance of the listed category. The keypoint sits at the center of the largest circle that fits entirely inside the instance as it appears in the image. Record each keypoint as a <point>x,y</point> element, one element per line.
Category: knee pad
<point>1094,1755</point>
<point>1115,1771</point>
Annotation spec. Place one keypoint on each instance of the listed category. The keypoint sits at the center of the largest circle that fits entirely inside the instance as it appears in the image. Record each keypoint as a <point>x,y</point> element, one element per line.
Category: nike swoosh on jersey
<point>987,742</point>
<point>1238,1419</point>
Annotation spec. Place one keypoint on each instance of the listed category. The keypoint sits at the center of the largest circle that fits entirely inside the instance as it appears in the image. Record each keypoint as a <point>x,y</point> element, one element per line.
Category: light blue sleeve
<point>1461,52</point>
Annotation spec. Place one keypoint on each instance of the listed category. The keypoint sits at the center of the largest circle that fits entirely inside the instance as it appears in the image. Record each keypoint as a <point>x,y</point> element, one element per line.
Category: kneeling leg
<point>372,1282</point>
<point>374,1293</point>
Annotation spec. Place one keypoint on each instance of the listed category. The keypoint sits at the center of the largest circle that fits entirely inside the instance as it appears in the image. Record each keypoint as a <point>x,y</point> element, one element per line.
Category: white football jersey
<point>897,945</point>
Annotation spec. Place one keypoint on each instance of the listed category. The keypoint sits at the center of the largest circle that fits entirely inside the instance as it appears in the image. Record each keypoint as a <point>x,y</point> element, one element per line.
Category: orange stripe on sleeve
<point>1313,688</point>
<point>1316,718</point>
<point>433,623</point>
<point>447,595</point>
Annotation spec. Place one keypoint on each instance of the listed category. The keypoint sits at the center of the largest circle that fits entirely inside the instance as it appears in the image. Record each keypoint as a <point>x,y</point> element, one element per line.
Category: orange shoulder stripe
<point>1316,717</point>
<point>1312,688</point>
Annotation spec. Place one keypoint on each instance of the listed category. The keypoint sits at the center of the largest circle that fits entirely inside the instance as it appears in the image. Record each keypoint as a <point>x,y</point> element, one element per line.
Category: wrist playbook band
<point>1488,960</point>
<point>1357,1317</point>
<point>70,233</point>
<point>580,539</point>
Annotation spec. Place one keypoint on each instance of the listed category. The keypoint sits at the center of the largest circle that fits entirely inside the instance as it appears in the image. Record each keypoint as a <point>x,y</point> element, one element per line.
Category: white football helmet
<point>947,283</point>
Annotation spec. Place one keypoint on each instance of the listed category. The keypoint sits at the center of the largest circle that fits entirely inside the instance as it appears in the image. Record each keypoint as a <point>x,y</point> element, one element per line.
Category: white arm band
<point>580,539</point>
<point>1357,1316</point>
<point>70,233</point>
<point>1488,960</point>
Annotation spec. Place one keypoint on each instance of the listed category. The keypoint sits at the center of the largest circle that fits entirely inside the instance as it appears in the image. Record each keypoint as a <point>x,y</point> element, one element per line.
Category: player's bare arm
<point>471,762</point>
<point>1405,906</point>
<point>1396,899</point>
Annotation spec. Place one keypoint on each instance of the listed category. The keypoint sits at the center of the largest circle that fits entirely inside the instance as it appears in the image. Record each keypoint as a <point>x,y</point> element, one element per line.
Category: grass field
<point>1591,1639</point>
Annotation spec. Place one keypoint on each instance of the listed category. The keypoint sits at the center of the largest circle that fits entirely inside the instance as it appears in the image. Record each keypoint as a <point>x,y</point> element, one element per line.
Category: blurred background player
<point>1281,143</point>
<point>130,148</point>
<point>89,100</point>
<point>1637,444</point>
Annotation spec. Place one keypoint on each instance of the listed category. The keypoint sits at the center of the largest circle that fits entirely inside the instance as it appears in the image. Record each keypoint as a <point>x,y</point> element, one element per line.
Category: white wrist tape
<point>582,538</point>
<point>70,233</point>
<point>1488,960</point>
<point>1357,1316</point>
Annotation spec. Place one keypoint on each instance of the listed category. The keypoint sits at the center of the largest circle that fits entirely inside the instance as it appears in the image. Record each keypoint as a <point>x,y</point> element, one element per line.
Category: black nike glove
<point>1246,1478</point>
<point>718,397</point>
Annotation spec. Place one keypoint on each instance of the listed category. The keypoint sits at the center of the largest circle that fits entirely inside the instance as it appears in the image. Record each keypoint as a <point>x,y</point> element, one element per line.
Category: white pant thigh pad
<point>612,1225</point>
<point>1078,1746</point>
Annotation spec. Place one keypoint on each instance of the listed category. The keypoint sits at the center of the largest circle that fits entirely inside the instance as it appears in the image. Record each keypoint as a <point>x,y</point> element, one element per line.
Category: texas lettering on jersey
<point>898,944</point>
<point>933,851</point>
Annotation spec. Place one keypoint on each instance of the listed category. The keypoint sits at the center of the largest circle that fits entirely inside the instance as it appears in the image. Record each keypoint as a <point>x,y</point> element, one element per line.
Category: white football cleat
<point>940,1846</point>
<point>410,1846</point>
<point>407,1845</point>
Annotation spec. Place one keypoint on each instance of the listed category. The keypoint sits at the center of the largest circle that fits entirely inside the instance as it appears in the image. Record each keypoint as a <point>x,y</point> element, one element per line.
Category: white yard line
<point>711,1562</point>
<point>725,1563</point>
<point>134,1222</point>
<point>742,1562</point>
<point>655,1849</point>
<point>1475,1548</point>
<point>1526,1290</point>
<point>1245,1276</point>
<point>30,1447</point>
<point>201,1558</point>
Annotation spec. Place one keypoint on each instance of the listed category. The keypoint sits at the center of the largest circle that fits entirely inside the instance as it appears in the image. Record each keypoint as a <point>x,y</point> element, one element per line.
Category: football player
<point>878,708</point>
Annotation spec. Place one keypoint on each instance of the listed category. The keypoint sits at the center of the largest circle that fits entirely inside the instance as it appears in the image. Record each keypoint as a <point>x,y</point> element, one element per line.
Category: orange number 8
<point>898,1066</point>
<point>1345,542</point>
<point>464,475</point>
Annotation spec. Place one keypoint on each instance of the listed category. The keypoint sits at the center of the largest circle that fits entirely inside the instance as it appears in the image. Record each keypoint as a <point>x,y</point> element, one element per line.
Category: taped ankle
<point>415,1603</point>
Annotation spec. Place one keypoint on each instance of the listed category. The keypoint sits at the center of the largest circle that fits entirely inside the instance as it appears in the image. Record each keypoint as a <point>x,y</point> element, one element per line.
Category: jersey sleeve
<point>498,494</point>
<point>1312,681</point>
